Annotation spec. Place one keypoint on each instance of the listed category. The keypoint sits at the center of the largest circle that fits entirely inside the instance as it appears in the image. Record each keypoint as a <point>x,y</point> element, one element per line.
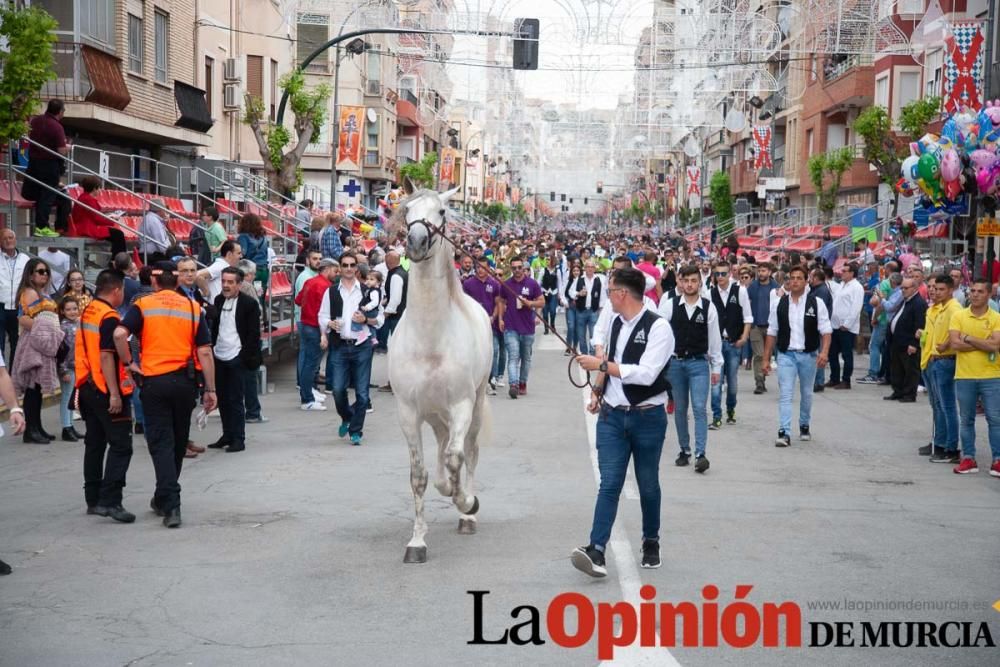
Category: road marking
<point>623,556</point>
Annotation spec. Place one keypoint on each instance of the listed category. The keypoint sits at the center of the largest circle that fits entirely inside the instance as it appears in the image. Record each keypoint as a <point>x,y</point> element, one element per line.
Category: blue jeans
<point>841,345</point>
<point>730,375</point>
<point>352,364</point>
<point>65,412</point>
<point>571,327</point>
<point>875,349</point>
<point>585,321</point>
<point>550,310</point>
<point>309,356</point>
<point>941,380</point>
<point>518,356</point>
<point>791,365</point>
<point>621,435</point>
<point>499,354</point>
<point>690,380</point>
<point>968,391</point>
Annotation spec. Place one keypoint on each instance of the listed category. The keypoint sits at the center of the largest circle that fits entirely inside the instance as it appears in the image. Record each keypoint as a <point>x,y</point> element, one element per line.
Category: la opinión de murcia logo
<point>571,620</point>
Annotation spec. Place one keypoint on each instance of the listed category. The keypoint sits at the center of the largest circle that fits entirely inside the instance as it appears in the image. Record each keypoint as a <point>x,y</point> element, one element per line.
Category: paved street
<point>291,553</point>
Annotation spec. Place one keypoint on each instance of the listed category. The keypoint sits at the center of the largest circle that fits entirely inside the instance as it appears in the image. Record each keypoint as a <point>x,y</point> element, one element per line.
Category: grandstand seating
<point>10,191</point>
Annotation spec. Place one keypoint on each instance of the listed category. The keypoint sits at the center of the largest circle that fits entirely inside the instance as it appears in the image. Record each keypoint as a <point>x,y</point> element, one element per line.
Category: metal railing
<point>72,82</point>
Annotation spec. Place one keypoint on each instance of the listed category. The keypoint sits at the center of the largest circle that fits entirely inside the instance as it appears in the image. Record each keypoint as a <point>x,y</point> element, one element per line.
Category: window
<point>274,88</point>
<point>933,66</point>
<point>136,35</point>
<point>313,32</point>
<point>209,82</point>
<point>371,144</point>
<point>909,87</point>
<point>96,20</point>
<point>809,143</point>
<point>255,76</point>
<point>374,67</point>
<point>882,92</point>
<point>161,39</point>
<point>909,6</point>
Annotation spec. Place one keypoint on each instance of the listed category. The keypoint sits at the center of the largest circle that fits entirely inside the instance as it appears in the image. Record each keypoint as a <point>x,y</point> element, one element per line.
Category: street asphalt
<point>291,552</point>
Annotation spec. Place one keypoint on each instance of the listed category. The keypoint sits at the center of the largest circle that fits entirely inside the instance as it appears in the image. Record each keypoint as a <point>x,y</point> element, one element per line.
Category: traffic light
<point>600,187</point>
<point>552,196</point>
<point>526,43</point>
<point>563,197</point>
<point>585,201</point>
<point>570,200</point>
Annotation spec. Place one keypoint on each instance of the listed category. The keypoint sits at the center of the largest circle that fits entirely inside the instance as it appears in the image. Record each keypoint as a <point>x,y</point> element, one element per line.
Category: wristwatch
<point>603,367</point>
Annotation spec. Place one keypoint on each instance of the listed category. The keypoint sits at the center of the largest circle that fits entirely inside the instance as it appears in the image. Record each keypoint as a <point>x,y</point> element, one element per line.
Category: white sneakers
<point>315,405</point>
<point>319,396</point>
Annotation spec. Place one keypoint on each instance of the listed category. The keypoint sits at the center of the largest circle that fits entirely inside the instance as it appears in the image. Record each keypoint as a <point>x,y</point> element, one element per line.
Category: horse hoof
<point>415,555</point>
<point>466,527</point>
<point>475,505</point>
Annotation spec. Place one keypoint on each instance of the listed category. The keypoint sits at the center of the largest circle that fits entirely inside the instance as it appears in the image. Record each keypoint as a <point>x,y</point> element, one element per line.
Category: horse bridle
<point>432,230</point>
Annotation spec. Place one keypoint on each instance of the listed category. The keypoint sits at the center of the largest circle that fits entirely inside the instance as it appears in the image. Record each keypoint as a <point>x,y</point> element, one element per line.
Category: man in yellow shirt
<point>975,337</point>
<point>937,361</point>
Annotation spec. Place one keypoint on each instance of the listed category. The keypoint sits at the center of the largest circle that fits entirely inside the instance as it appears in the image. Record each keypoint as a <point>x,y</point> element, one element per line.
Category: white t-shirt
<point>60,263</point>
<point>215,278</point>
<point>228,344</point>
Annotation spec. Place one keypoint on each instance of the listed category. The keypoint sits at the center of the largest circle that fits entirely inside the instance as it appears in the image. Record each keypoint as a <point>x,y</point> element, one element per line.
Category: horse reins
<point>439,230</point>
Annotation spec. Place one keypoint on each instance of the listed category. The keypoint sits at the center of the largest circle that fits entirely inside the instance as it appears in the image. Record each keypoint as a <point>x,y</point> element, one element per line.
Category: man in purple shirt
<point>521,295</point>
<point>486,290</point>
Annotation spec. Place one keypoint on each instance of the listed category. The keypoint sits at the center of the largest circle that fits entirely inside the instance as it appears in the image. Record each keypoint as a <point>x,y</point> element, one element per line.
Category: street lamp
<point>465,168</point>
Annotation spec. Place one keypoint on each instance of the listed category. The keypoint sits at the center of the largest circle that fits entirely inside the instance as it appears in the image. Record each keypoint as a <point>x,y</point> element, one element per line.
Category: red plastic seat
<point>181,229</point>
<point>280,285</point>
<point>12,192</point>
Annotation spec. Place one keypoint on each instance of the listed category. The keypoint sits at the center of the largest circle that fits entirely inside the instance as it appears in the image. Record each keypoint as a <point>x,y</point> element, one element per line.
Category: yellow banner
<point>349,149</point>
<point>987,227</point>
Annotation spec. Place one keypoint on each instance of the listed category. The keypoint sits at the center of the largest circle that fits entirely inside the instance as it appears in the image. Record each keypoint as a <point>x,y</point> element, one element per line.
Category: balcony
<point>743,177</point>
<point>78,67</point>
<point>859,177</point>
<point>850,83</point>
<point>406,109</point>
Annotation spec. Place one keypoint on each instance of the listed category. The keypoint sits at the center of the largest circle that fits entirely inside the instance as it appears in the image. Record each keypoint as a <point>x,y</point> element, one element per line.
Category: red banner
<point>349,149</point>
<point>963,66</point>
<point>762,146</point>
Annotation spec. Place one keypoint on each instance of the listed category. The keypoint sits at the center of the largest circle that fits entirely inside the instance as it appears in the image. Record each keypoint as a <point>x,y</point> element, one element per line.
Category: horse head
<point>424,214</point>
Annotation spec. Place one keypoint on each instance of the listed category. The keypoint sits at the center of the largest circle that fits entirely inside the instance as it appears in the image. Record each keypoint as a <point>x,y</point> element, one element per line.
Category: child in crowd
<point>69,320</point>
<point>371,299</point>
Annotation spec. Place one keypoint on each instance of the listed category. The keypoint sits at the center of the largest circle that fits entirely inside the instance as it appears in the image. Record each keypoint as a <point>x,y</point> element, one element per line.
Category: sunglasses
<point>517,268</point>
<point>721,274</point>
<point>348,266</point>
<point>42,272</point>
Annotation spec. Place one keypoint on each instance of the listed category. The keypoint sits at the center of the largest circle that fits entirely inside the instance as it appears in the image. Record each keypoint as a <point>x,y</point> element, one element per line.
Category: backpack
<point>199,246</point>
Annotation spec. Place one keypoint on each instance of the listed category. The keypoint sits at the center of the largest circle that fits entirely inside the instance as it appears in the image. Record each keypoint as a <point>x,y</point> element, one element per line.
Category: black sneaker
<point>650,554</point>
<point>759,390</point>
<point>946,456</point>
<point>701,464</point>
<point>804,435</point>
<point>818,389</point>
<point>731,417</point>
<point>589,560</point>
<point>715,424</point>
<point>682,459</point>
<point>118,513</point>
<point>512,391</point>
<point>156,508</point>
<point>927,450</point>
<point>783,440</point>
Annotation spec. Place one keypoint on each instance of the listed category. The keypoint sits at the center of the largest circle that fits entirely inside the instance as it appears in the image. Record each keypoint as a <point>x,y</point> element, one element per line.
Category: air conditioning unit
<point>231,96</point>
<point>373,88</point>
<point>231,69</point>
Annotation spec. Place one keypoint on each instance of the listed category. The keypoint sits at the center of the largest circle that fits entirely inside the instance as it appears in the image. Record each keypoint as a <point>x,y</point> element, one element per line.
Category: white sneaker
<point>921,389</point>
<point>499,382</point>
<point>313,406</point>
<point>319,396</point>
<point>77,416</point>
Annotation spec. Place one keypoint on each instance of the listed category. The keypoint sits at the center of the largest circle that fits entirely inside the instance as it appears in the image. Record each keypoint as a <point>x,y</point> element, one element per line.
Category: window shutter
<point>255,76</point>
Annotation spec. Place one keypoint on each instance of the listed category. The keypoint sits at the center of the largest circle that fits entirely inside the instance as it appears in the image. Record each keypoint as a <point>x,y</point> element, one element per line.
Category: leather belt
<point>687,357</point>
<point>939,357</point>
<point>633,408</point>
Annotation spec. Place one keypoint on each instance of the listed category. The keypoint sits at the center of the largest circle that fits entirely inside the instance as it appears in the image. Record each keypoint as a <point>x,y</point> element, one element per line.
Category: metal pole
<point>990,30</point>
<point>336,131</point>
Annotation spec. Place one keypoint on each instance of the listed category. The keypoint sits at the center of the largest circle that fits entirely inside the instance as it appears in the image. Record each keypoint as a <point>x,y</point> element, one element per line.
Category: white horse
<point>439,366</point>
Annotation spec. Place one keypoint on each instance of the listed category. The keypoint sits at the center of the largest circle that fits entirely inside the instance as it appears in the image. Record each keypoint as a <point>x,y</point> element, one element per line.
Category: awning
<point>107,86</point>
<point>192,107</point>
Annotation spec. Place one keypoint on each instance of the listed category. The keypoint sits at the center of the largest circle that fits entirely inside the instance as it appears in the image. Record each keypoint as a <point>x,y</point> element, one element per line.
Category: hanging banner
<point>762,147</point>
<point>349,148</point>
<point>671,183</point>
<point>963,66</point>
<point>448,156</point>
<point>694,187</point>
<point>488,190</point>
<point>515,196</point>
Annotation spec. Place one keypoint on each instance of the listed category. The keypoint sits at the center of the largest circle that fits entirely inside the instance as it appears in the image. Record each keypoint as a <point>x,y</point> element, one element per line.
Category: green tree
<point>885,149</point>
<point>826,170</point>
<point>720,194</point>
<point>309,109</point>
<point>420,174</point>
<point>26,63</point>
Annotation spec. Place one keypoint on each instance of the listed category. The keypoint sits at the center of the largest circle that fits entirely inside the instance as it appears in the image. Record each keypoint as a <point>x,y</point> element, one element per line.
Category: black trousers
<point>167,402</point>
<point>104,478</point>
<point>10,328</point>
<point>32,405</point>
<point>117,239</point>
<point>48,172</point>
<point>229,385</point>
<point>904,372</point>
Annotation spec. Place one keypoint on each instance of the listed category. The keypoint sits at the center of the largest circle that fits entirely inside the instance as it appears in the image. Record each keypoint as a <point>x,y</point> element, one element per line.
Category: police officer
<point>176,348</point>
<point>105,390</point>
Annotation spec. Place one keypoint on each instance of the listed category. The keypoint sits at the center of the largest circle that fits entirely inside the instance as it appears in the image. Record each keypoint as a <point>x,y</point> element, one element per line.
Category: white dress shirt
<point>742,295</point>
<point>352,304</point>
<point>588,285</point>
<point>396,294</point>
<point>228,345</point>
<point>714,336</point>
<point>848,300</point>
<point>215,278</point>
<point>602,329</point>
<point>796,321</point>
<point>659,349</point>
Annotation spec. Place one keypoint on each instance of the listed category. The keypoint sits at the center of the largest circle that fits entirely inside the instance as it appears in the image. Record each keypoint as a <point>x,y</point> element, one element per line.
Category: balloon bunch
<point>962,161</point>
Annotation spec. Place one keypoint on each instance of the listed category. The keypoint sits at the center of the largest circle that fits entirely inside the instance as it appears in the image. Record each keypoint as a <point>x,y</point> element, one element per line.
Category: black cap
<point>164,266</point>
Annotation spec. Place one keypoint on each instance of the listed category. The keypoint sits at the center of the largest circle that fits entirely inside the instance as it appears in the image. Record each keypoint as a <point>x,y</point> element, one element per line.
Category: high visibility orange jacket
<point>88,349</point>
<point>169,325</point>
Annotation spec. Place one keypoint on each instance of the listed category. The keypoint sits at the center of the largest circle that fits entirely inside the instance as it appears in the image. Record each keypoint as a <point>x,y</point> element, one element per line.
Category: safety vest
<point>169,324</point>
<point>88,349</point>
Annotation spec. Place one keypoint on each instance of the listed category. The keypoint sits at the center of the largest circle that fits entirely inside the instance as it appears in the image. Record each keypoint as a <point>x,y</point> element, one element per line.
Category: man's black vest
<point>810,326</point>
<point>730,313</point>
<point>550,279</point>
<point>690,334</point>
<point>632,354</point>
<point>336,311</point>
<point>398,271</point>
<point>595,294</point>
